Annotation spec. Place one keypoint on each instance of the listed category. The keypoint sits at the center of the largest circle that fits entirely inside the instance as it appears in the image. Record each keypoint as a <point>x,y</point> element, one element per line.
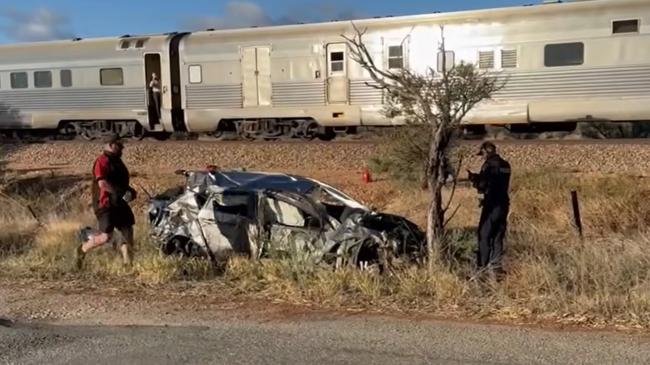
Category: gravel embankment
<point>163,157</point>
<point>168,156</point>
<point>588,158</point>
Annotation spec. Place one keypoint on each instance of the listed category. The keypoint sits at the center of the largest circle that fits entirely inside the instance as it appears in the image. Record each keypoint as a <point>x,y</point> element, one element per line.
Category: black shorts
<point>115,217</point>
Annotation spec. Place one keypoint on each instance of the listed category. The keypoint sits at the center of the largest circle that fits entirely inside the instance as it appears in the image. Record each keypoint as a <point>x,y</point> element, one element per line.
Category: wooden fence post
<point>576,212</point>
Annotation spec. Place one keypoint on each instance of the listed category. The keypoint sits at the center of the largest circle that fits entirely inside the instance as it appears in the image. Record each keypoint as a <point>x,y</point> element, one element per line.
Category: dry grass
<point>553,275</point>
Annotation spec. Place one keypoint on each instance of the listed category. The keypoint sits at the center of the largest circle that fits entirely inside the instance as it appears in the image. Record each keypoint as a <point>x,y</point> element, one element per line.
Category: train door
<point>256,76</point>
<point>154,88</point>
<point>337,73</point>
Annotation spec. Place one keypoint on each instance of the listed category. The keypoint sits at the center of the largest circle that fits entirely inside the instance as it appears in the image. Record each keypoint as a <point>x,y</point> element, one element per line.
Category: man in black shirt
<point>493,182</point>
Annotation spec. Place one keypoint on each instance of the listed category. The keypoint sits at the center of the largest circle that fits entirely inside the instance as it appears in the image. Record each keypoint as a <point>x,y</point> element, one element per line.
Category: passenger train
<point>578,61</point>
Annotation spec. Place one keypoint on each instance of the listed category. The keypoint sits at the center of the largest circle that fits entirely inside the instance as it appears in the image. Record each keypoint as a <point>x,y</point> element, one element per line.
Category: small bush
<point>603,130</point>
<point>404,153</point>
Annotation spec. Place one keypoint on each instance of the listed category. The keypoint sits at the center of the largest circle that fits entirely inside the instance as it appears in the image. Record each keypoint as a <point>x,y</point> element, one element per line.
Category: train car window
<point>125,44</point>
<point>564,54</point>
<point>625,26</point>
<point>337,61</point>
<point>395,57</point>
<point>139,43</point>
<point>196,74</point>
<point>111,76</point>
<point>42,79</point>
<point>66,78</point>
<point>18,80</point>
<point>486,59</point>
<point>450,58</point>
<point>508,58</point>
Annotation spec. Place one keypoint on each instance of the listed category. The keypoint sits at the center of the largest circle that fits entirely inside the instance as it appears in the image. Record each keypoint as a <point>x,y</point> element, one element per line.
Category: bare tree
<point>440,100</point>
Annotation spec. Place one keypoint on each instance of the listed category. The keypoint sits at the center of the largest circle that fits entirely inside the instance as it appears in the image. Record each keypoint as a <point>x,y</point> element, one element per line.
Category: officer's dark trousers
<point>491,232</point>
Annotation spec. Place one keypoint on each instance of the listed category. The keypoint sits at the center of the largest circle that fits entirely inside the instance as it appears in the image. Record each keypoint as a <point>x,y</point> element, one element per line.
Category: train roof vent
<point>508,58</point>
<point>486,59</point>
<point>77,39</point>
<point>132,43</point>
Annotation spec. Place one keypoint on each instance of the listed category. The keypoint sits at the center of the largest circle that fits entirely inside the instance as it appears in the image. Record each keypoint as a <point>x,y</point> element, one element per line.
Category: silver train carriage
<point>564,62</point>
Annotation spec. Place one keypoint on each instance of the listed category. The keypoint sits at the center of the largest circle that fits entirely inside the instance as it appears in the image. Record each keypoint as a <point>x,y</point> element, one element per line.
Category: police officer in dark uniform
<point>493,182</point>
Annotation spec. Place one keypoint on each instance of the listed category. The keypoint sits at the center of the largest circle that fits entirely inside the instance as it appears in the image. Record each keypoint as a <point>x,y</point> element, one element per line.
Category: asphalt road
<point>331,341</point>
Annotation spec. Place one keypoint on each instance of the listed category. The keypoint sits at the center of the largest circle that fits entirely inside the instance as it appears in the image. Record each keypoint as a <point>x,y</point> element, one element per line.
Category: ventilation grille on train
<point>486,59</point>
<point>508,58</point>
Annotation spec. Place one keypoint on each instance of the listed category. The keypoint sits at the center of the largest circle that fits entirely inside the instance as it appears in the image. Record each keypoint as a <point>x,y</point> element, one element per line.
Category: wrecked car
<point>218,214</point>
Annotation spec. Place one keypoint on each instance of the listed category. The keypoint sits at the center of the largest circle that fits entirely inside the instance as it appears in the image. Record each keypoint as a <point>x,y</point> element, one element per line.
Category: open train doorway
<point>152,69</point>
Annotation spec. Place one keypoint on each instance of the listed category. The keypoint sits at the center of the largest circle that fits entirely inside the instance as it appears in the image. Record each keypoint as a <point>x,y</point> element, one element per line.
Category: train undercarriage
<point>96,129</point>
<point>275,129</point>
<point>309,129</point>
<point>248,130</point>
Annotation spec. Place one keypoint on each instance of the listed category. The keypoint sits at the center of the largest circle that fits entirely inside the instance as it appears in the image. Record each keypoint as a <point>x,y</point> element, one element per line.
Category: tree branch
<point>453,214</point>
<point>453,187</point>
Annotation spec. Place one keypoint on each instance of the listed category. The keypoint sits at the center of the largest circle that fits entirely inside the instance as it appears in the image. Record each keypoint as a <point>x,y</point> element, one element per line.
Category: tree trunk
<point>435,226</point>
<point>436,213</point>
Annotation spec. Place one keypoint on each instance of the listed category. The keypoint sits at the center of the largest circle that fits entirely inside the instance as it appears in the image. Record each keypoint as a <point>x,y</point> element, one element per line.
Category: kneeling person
<point>111,194</point>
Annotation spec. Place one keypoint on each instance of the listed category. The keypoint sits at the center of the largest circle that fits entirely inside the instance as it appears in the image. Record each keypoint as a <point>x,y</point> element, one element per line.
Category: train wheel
<point>218,135</point>
<point>161,136</point>
<point>87,134</point>
<point>308,131</point>
<point>328,135</point>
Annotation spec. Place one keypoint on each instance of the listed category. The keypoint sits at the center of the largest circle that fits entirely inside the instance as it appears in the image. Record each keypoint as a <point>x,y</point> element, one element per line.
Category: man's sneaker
<point>84,236</point>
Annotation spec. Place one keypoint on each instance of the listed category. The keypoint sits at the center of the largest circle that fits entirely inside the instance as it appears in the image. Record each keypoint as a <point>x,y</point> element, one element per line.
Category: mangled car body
<point>221,213</point>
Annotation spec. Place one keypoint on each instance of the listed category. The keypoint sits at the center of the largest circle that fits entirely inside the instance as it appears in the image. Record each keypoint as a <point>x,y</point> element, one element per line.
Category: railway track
<point>359,141</point>
<point>612,141</point>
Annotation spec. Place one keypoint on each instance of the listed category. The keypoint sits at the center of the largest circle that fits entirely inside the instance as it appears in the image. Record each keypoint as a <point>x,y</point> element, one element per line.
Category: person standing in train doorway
<point>493,182</point>
<point>111,195</point>
<point>154,85</point>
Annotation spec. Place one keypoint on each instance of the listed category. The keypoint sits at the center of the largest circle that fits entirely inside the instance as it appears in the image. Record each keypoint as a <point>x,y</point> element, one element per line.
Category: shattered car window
<point>284,213</point>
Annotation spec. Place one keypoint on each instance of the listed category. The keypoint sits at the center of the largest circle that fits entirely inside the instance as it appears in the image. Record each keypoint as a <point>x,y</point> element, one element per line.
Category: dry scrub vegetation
<point>553,275</point>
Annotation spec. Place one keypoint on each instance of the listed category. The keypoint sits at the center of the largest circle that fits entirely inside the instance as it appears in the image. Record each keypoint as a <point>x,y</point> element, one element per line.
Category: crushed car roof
<point>247,180</point>
<point>258,181</point>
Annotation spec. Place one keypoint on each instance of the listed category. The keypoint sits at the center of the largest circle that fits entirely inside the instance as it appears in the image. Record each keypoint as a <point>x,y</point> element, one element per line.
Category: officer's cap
<point>486,147</point>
